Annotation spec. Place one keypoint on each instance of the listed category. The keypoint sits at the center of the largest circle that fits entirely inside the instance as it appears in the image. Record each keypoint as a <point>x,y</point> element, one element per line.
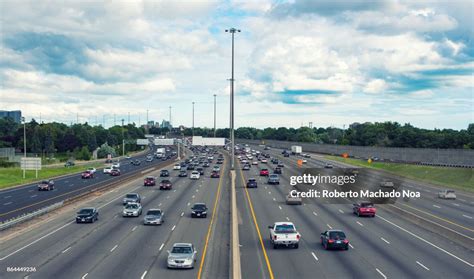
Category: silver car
<point>132,209</point>
<point>154,217</point>
<point>183,255</point>
<point>447,194</point>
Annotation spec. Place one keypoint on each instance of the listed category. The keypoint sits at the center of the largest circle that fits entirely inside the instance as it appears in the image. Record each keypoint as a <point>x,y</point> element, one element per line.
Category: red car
<point>264,172</point>
<point>46,185</point>
<point>165,185</point>
<point>364,209</point>
<point>215,174</point>
<point>87,175</point>
<point>149,181</point>
<point>115,172</point>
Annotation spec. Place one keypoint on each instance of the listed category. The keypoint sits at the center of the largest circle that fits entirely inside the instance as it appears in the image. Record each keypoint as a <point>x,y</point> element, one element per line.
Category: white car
<point>194,175</point>
<point>264,161</point>
<point>284,234</point>
<point>305,161</point>
<point>108,170</point>
<point>447,194</point>
<point>255,163</point>
<point>116,165</point>
<point>91,170</point>
<point>177,167</point>
<point>132,209</point>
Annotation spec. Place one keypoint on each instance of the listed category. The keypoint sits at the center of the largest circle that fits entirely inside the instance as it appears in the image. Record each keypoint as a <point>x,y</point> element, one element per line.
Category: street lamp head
<point>232,30</point>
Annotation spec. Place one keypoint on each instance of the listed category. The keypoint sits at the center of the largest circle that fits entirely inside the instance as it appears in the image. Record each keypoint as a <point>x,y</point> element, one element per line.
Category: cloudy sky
<point>325,62</point>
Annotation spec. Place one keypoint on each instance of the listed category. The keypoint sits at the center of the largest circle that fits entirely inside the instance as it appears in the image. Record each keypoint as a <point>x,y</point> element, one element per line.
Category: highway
<point>25,199</point>
<point>383,247</point>
<point>118,247</point>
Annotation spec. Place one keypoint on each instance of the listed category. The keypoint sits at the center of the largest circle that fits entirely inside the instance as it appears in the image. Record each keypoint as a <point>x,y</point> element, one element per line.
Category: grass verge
<point>459,178</point>
<point>14,176</point>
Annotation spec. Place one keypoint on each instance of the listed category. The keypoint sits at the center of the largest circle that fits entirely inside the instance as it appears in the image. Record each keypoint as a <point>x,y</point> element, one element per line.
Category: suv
<point>132,197</point>
<point>46,185</point>
<point>334,239</point>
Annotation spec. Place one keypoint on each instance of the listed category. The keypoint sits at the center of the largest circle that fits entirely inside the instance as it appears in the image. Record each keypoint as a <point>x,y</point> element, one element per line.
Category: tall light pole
<point>24,143</point>
<point>193,121</point>
<point>215,115</point>
<point>232,31</point>
<point>170,116</point>
<point>128,118</point>
<point>123,140</point>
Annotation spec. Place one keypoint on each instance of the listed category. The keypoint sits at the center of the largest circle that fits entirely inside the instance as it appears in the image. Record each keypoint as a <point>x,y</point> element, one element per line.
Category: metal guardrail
<point>18,220</point>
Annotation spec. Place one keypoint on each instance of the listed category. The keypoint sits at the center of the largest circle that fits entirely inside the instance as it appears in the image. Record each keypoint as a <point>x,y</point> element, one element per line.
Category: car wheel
<point>275,246</point>
<point>296,246</point>
<point>358,214</point>
<point>347,247</point>
<point>92,220</point>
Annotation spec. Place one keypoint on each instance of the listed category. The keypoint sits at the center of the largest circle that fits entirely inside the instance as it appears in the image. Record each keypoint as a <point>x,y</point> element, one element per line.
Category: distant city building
<point>151,123</point>
<point>166,124</point>
<point>14,114</point>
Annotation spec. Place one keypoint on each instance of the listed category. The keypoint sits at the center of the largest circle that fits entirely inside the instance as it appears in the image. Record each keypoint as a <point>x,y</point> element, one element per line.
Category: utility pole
<point>170,117</point>
<point>123,141</point>
<point>215,115</point>
<point>128,117</point>
<point>115,122</point>
<point>193,121</point>
<point>103,120</point>
<point>77,118</point>
<point>232,31</point>
<point>311,125</point>
<point>24,144</point>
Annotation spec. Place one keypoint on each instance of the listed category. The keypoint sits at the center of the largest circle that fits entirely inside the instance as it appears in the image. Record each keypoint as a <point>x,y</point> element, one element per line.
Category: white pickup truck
<point>284,234</point>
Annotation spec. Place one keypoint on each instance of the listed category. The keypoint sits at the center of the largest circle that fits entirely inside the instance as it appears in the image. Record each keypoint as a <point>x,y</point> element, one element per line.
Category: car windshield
<point>44,182</point>
<point>199,206</point>
<point>273,176</point>
<point>131,206</point>
<point>150,177</point>
<point>131,196</point>
<point>264,170</point>
<point>86,211</point>
<point>154,212</point>
<point>450,192</point>
<point>367,205</point>
<point>337,235</point>
<point>252,180</point>
<point>285,228</point>
<point>182,250</point>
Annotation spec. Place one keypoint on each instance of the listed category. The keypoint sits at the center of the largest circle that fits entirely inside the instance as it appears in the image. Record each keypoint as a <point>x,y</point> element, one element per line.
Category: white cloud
<point>375,86</point>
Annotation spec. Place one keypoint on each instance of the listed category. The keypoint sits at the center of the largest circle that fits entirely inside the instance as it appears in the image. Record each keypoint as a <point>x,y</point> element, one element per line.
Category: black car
<point>183,173</point>
<point>200,170</point>
<point>280,165</point>
<point>334,239</point>
<point>164,173</point>
<point>199,210</point>
<point>252,183</point>
<point>277,170</point>
<point>190,167</point>
<point>87,215</point>
<point>286,155</point>
<point>135,162</point>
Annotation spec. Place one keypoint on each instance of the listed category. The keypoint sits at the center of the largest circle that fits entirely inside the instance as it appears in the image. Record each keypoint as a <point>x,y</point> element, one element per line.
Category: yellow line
<point>256,226</point>
<point>442,219</point>
<point>216,202</point>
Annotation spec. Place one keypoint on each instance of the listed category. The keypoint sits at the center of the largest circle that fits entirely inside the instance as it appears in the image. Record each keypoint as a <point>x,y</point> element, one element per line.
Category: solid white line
<point>341,211</point>
<point>280,207</point>
<point>182,214</point>
<point>316,214</point>
<point>111,250</point>
<point>350,245</point>
<point>161,247</point>
<point>7,203</point>
<point>143,275</point>
<point>360,224</point>
<point>134,228</point>
<point>385,240</point>
<point>28,245</point>
<point>65,250</point>
<point>314,256</point>
<point>85,275</point>
<point>380,272</point>
<point>329,226</point>
<point>422,265</point>
<point>426,241</point>
<point>437,206</point>
<point>467,216</point>
<point>174,227</point>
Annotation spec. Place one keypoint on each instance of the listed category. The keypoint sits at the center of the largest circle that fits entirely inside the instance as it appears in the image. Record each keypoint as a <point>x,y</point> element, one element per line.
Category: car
<point>69,164</point>
<point>291,200</point>
<point>183,173</point>
<point>307,155</point>
<point>328,166</point>
<point>132,209</point>
<point>92,170</point>
<point>220,162</point>
<point>128,157</point>
<point>46,185</point>
<point>255,163</point>
<point>199,210</point>
<point>116,165</point>
<point>108,161</point>
<point>135,162</point>
<point>264,161</point>
<point>304,161</point>
<point>447,194</point>
<point>115,172</point>
<point>131,197</point>
<point>149,159</point>
<point>200,170</point>
<point>87,174</point>
<point>284,234</point>
<point>87,215</point>
<point>154,217</point>
<point>277,170</point>
<point>334,239</point>
<point>177,167</point>
<point>286,155</point>
<point>246,167</point>
<point>182,255</point>
<point>194,175</point>
<point>264,172</point>
<point>273,179</point>
<point>364,209</point>
<point>164,173</point>
<point>149,181</point>
<point>215,174</point>
<point>252,183</point>
<point>216,168</point>
<point>280,165</point>
<point>190,167</point>
<point>107,170</point>
<point>166,185</point>
<point>206,165</point>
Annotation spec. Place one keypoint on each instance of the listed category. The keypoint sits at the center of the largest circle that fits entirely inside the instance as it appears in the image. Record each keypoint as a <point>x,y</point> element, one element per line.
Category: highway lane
<point>24,199</point>
<point>123,247</point>
<point>456,217</point>
<point>379,247</point>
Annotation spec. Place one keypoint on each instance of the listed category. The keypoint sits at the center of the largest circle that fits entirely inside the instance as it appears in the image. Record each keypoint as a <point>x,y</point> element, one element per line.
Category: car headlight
<point>193,212</point>
<point>205,212</point>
